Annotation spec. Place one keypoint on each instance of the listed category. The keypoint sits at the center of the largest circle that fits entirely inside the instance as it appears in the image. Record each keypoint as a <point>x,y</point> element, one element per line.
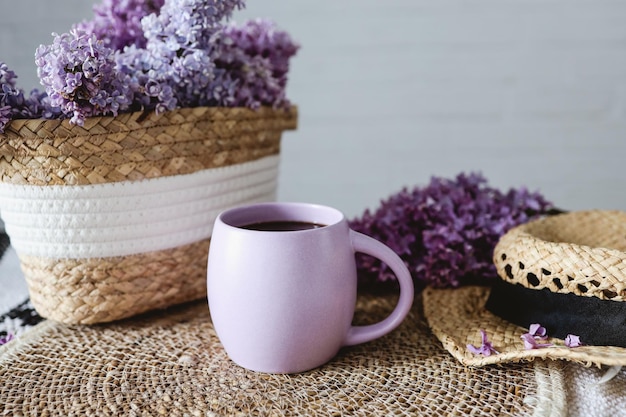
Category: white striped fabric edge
<point>126,218</point>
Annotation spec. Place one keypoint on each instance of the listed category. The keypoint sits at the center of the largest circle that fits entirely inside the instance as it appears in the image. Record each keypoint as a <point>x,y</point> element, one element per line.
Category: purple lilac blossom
<point>537,330</point>
<point>10,95</point>
<point>532,342</point>
<point>6,339</point>
<point>537,333</point>
<point>485,349</point>
<point>80,78</point>
<point>572,341</point>
<point>175,69</point>
<point>446,231</point>
<point>147,80</point>
<point>117,23</point>
<point>5,117</point>
<point>183,35</point>
<point>184,25</point>
<point>14,104</point>
<point>252,62</point>
<point>39,106</point>
<point>191,58</point>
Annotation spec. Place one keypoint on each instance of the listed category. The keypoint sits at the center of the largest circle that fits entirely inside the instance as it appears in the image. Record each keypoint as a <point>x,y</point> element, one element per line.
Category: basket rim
<point>142,119</point>
<point>134,146</point>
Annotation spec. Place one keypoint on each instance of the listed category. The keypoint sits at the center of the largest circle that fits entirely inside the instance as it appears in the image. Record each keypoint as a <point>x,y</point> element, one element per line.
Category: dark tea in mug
<point>282,226</point>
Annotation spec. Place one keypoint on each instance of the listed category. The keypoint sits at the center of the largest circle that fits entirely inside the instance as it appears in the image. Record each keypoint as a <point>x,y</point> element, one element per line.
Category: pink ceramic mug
<point>283,301</point>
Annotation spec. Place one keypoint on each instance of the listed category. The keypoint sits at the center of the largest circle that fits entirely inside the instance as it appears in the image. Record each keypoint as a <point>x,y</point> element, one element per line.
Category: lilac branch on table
<point>446,231</point>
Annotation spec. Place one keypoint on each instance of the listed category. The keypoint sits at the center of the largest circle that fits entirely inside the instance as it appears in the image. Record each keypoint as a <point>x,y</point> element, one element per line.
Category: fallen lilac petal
<point>485,349</point>
<point>475,350</point>
<point>537,330</point>
<point>530,342</point>
<point>572,341</point>
<point>6,339</point>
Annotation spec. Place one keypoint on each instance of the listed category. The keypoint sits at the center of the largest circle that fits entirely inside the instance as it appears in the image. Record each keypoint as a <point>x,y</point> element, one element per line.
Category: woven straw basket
<point>114,218</point>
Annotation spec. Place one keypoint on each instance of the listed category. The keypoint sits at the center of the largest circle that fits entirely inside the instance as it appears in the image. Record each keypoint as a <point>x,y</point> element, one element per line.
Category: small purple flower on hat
<point>538,331</point>
<point>532,342</point>
<point>485,349</point>
<point>6,339</point>
<point>572,341</point>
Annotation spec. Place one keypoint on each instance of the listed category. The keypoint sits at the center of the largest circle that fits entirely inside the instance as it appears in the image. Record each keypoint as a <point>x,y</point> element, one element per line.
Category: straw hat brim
<point>580,252</point>
<point>456,317</point>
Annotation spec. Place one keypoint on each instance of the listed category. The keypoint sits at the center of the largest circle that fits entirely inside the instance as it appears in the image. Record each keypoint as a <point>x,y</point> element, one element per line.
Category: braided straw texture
<point>581,252</point>
<point>129,148</point>
<point>456,317</point>
<point>97,290</point>
<point>134,146</point>
<point>172,363</point>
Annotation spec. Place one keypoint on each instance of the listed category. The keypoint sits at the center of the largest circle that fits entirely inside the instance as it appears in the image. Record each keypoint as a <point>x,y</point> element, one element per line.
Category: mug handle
<point>370,246</point>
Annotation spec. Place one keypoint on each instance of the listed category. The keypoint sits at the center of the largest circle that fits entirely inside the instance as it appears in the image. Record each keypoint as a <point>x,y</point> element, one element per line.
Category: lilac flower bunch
<point>155,55</point>
<point>252,62</point>
<point>193,59</point>
<point>40,106</point>
<point>186,25</point>
<point>176,67</point>
<point>14,104</point>
<point>150,87</point>
<point>80,76</point>
<point>118,22</point>
<point>446,231</point>
<point>11,98</point>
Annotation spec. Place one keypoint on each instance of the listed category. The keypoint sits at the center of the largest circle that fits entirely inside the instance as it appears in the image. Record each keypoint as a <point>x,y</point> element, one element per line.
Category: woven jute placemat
<point>172,363</point>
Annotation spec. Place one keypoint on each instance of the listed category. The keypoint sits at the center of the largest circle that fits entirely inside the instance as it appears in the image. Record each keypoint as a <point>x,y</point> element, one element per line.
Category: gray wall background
<point>528,92</point>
